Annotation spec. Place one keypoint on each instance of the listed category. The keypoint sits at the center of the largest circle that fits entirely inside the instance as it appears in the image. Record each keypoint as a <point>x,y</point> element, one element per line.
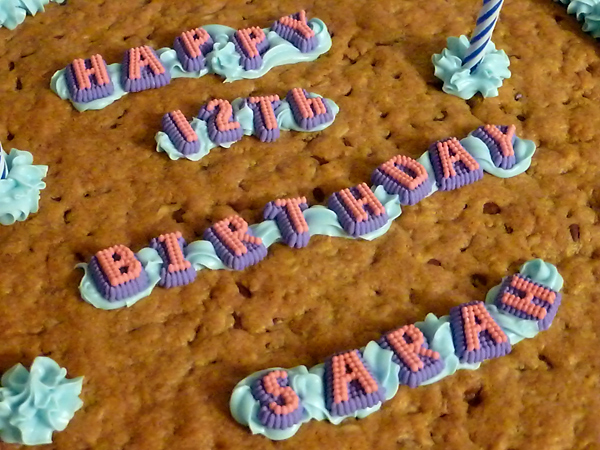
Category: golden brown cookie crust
<point>159,375</point>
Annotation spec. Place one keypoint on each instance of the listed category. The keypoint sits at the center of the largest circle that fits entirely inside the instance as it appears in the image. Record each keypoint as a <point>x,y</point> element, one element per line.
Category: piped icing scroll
<point>475,334</point>
<point>453,166</point>
<point>235,243</point>
<point>233,54</point>
<point>143,70</point>
<point>523,297</point>
<point>222,126</point>
<point>349,384</point>
<point>412,355</point>
<point>192,47</point>
<point>222,123</point>
<point>357,212</point>
<point>176,269</point>
<point>251,43</point>
<point>88,79</point>
<point>280,406</point>
<point>288,214</point>
<point>296,30</point>
<point>403,176</point>
<point>586,11</point>
<point>418,363</point>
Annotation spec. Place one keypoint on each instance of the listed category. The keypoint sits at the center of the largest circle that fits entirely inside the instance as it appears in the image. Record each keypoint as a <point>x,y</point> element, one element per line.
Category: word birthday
<point>355,383</point>
<point>116,277</point>
<point>233,54</point>
<point>220,123</point>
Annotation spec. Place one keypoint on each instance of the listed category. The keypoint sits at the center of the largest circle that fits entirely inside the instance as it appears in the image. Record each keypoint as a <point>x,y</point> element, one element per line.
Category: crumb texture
<point>159,375</point>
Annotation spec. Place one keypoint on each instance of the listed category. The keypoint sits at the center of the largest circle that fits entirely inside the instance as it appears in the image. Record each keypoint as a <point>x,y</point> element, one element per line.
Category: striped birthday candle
<point>3,164</point>
<point>486,21</point>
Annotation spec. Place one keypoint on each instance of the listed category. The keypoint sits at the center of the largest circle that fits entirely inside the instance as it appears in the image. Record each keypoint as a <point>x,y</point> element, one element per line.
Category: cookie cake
<point>168,369</point>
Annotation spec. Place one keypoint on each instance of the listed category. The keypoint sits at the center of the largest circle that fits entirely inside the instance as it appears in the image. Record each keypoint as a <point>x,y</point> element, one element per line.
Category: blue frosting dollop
<point>591,23</point>
<point>34,404</point>
<point>586,11</point>
<point>20,190</point>
<point>486,78</point>
<point>581,8</point>
<point>13,12</point>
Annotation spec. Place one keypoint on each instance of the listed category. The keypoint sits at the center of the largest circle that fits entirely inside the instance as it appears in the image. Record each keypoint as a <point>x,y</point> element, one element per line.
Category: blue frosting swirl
<point>486,78</point>
<point>13,12</point>
<point>581,8</point>
<point>20,190</point>
<point>222,60</point>
<point>245,116</point>
<point>591,23</point>
<point>35,404</point>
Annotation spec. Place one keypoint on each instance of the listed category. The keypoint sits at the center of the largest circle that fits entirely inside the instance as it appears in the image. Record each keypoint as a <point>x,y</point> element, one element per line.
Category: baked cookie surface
<point>159,374</point>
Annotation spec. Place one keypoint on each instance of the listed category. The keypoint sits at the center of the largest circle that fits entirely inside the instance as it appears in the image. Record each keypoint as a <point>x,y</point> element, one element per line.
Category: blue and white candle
<point>3,164</point>
<point>486,21</point>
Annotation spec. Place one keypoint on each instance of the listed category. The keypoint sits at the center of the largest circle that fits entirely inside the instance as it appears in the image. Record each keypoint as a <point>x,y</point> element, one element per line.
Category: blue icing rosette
<point>20,189</point>
<point>13,12</point>
<point>581,8</point>
<point>591,23</point>
<point>34,404</point>
<point>486,78</point>
<point>586,11</point>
